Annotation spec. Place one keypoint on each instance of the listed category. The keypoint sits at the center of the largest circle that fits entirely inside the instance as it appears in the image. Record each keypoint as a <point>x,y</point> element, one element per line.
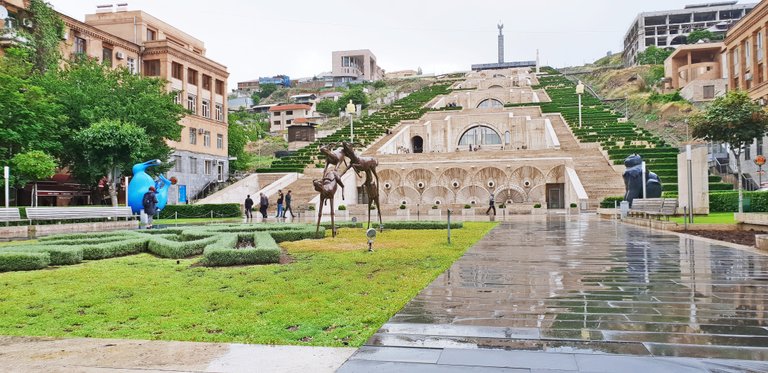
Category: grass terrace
<point>331,293</point>
<point>367,129</point>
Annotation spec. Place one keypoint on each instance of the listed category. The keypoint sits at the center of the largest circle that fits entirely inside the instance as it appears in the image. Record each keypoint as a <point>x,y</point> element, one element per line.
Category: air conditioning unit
<point>65,35</point>
<point>201,130</point>
<point>119,55</point>
<point>748,76</point>
<point>26,22</point>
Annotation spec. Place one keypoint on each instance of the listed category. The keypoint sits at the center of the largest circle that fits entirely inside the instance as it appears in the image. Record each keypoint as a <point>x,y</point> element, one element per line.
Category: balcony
<point>10,37</point>
<point>699,71</point>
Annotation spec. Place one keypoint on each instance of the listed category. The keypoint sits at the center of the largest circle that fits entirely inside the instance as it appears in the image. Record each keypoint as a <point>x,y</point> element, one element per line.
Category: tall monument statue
<point>501,42</point>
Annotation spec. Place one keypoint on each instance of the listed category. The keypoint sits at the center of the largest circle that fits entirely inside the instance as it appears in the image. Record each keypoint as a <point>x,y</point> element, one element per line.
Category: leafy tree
<point>31,166</point>
<point>653,56</point>
<point>267,89</point>
<point>255,98</point>
<point>89,92</point>
<point>328,107</point>
<point>237,141</point>
<point>29,117</point>
<point>44,39</point>
<point>357,96</point>
<point>733,119</point>
<point>107,147</point>
<point>700,34</point>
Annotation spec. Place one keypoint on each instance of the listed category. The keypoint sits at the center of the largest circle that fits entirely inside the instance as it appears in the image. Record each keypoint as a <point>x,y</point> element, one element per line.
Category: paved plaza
<point>562,294</point>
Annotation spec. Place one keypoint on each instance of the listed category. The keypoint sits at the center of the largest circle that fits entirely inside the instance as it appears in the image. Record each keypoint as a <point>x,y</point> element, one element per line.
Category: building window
<point>177,163</point>
<point>747,151</point>
<point>206,82</point>
<point>192,165</point>
<point>206,108</point>
<point>193,136</point>
<point>151,34</point>
<point>759,146</point>
<point>177,71</point>
<point>747,54</point>
<point>219,87</point>
<point>177,98</point>
<point>219,112</point>
<point>277,122</point>
<point>80,45</point>
<point>289,112</point>
<point>480,135</point>
<point>106,56</point>
<point>736,62</point>
<point>207,139</point>
<point>759,45</point>
<point>219,141</point>
<point>192,103</point>
<point>130,63</point>
<point>151,67</point>
<point>288,121</point>
<point>208,167</point>
<point>192,76</point>
<point>709,92</point>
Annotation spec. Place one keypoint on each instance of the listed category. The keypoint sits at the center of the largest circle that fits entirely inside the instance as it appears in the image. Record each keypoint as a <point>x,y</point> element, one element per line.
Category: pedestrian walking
<point>491,206</point>
<point>279,204</point>
<point>288,198</point>
<point>263,204</point>
<point>248,207</point>
<point>149,202</point>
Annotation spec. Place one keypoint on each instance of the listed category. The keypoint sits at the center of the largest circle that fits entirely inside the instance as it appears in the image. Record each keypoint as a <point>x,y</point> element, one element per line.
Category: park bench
<point>10,215</point>
<point>658,207</point>
<point>668,208</point>
<point>76,213</point>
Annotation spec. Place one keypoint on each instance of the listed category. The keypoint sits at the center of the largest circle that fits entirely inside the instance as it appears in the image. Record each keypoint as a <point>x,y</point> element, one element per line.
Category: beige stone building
<point>745,53</point>
<point>696,70</point>
<point>282,116</point>
<point>354,66</point>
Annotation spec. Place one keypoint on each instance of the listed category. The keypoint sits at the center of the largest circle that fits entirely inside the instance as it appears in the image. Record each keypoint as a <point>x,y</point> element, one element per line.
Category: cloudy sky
<point>265,38</point>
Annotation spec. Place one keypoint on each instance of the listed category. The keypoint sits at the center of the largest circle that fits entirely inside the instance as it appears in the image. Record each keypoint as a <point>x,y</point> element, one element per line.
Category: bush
<point>306,232</point>
<point>467,206</point>
<point>729,201</point>
<point>573,205</point>
<point>435,207</point>
<point>23,261</point>
<point>225,253</point>
<point>311,208</point>
<point>225,210</point>
<point>342,207</point>
<point>537,206</point>
<point>421,225</point>
<point>402,207</point>
<point>607,202</point>
<point>58,255</point>
<point>502,206</point>
<point>166,248</point>
<point>115,249</point>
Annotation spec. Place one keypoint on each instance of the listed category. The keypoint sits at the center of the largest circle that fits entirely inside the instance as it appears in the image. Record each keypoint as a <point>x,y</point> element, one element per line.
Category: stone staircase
<point>236,192</point>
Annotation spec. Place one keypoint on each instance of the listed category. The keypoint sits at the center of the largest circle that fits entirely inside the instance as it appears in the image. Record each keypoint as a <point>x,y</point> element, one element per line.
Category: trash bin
<point>624,208</point>
<point>747,204</point>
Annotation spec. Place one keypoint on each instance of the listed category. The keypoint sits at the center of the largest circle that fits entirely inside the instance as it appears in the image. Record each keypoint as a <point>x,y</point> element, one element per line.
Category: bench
<point>75,213</point>
<point>647,207</point>
<point>10,215</point>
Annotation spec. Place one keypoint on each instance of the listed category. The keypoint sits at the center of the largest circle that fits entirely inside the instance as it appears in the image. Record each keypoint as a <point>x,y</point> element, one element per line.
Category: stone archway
<point>417,144</point>
<point>490,103</point>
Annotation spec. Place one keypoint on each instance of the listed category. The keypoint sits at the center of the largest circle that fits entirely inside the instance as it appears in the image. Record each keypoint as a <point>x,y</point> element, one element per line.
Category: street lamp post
<point>760,161</point>
<point>351,112</point>
<point>580,91</point>
<point>7,178</point>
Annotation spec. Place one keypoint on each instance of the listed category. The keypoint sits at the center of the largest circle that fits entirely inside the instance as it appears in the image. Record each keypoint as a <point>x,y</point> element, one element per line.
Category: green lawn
<point>713,218</point>
<point>333,294</point>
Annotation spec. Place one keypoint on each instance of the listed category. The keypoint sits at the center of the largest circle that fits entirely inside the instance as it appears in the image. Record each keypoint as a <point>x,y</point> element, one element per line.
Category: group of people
<point>282,200</point>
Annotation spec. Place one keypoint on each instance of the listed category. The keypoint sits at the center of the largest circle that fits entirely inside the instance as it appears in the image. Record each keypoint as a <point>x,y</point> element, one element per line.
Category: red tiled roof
<point>290,107</point>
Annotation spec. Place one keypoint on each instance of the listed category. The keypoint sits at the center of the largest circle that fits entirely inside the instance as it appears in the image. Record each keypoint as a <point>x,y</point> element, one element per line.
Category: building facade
<point>696,70</point>
<point>282,116</point>
<point>670,28</point>
<point>355,66</point>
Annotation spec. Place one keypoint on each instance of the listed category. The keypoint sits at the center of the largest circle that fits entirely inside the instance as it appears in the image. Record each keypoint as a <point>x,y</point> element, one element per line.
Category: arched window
<point>507,138</point>
<point>480,135</point>
<point>495,86</point>
<point>490,102</point>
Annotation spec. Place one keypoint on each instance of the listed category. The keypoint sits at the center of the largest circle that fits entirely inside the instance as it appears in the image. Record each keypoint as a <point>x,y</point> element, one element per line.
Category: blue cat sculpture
<point>140,184</point>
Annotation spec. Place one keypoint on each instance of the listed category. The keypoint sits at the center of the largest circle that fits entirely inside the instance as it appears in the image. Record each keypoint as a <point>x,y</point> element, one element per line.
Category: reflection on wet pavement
<point>571,285</point>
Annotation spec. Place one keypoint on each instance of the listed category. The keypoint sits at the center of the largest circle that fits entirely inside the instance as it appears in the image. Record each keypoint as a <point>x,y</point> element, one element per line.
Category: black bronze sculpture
<point>633,180</point>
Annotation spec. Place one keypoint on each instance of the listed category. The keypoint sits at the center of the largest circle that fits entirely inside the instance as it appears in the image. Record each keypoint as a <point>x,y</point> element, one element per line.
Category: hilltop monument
<point>501,42</point>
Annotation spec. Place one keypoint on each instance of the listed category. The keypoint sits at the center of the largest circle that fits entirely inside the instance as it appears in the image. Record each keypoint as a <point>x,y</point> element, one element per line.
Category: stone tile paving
<point>571,294</point>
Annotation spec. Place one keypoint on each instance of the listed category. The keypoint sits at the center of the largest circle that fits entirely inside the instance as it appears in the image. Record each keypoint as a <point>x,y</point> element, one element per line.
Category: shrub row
<point>225,210</point>
<point>23,261</point>
<point>224,253</point>
<point>729,201</point>
<point>421,225</point>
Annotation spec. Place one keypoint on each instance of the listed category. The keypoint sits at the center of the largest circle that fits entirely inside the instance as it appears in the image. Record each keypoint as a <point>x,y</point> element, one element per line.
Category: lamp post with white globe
<point>580,91</point>
<point>351,110</point>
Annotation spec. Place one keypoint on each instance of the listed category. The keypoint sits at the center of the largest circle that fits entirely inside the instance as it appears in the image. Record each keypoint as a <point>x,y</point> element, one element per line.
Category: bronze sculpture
<point>327,188</point>
<point>367,165</point>
<point>333,157</point>
<point>633,180</point>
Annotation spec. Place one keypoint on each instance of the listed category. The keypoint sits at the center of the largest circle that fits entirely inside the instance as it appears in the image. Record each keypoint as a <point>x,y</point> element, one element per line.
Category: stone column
<point>700,178</point>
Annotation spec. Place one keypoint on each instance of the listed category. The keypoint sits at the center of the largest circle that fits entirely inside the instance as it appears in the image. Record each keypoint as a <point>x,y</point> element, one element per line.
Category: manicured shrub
<point>225,210</point>
<point>307,232</point>
<point>342,207</point>
<point>165,248</point>
<point>421,225</point>
<point>729,201</point>
<point>115,249</point>
<point>434,207</point>
<point>402,207</point>
<point>224,252</point>
<point>608,202</point>
<point>58,255</point>
<point>537,206</point>
<point>23,261</point>
<point>573,205</point>
<point>467,206</point>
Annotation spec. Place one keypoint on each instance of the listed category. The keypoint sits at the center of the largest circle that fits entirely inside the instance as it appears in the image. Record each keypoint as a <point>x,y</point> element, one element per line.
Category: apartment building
<point>670,28</point>
<point>354,66</point>
<point>696,70</point>
<point>282,116</point>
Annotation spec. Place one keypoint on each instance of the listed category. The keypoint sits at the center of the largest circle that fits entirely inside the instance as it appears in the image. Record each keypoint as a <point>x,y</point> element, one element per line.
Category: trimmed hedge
<point>421,225</point>
<point>608,202</point>
<point>224,252</point>
<point>729,201</point>
<point>115,249</point>
<point>23,261</point>
<point>166,248</point>
<point>225,210</point>
<point>58,255</point>
<point>298,234</point>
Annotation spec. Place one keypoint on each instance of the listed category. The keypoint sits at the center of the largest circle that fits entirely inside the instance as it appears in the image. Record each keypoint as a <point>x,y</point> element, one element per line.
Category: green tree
<point>357,96</point>
<point>31,166</point>
<point>328,107</point>
<point>107,148</point>
<point>237,140</point>
<point>89,92</point>
<point>29,117</point>
<point>700,34</point>
<point>267,89</point>
<point>255,98</point>
<point>44,39</point>
<point>653,56</point>
<point>733,119</point>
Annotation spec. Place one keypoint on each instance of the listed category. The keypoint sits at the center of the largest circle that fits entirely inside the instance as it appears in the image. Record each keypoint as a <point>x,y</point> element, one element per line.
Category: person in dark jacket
<point>280,213</point>
<point>149,202</point>
<point>288,198</point>
<point>248,207</point>
<point>491,206</point>
<point>263,204</point>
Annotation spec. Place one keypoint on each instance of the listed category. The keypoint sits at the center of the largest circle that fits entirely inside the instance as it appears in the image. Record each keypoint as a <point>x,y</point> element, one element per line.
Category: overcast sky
<point>265,38</point>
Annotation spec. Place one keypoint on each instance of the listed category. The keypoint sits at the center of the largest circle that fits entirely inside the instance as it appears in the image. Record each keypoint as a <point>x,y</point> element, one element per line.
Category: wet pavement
<point>553,293</point>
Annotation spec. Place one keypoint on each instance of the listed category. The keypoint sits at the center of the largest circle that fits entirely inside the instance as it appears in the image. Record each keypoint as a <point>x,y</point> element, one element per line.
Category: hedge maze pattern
<point>219,245</point>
